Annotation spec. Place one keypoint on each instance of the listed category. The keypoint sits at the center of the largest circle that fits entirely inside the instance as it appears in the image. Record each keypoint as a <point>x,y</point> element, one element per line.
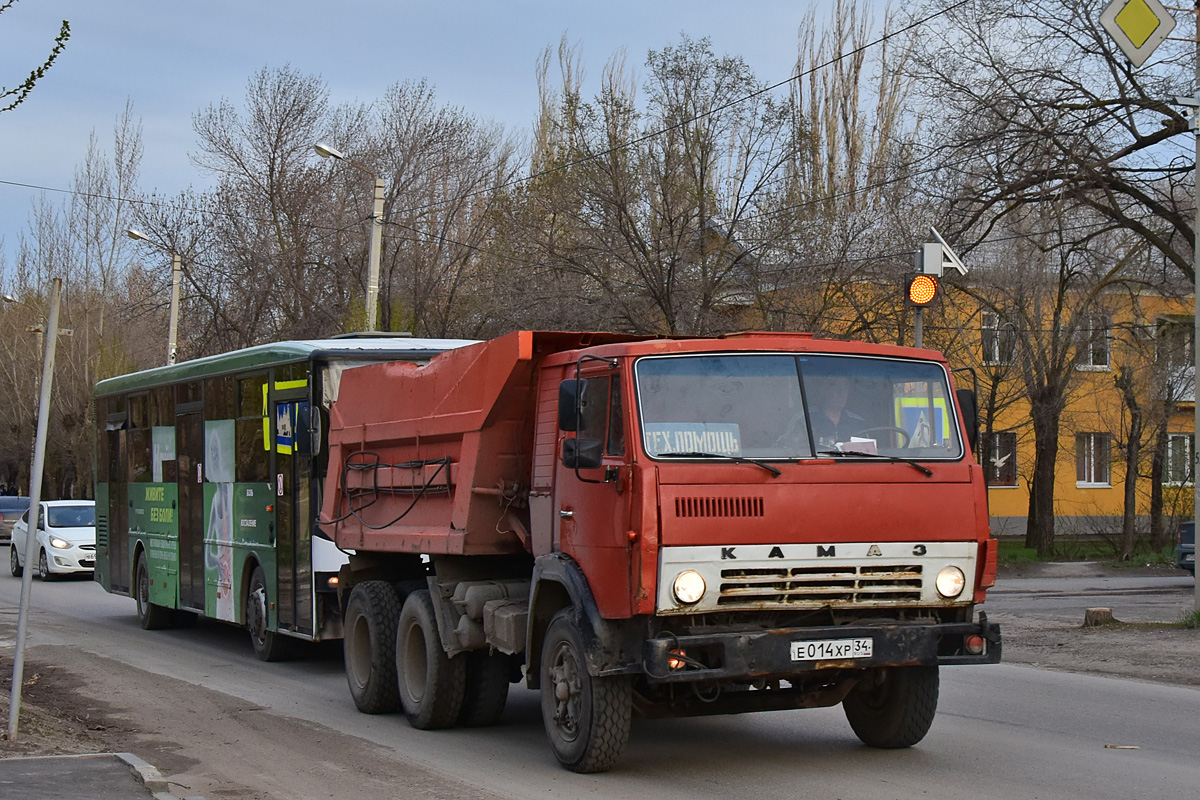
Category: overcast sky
<point>171,58</point>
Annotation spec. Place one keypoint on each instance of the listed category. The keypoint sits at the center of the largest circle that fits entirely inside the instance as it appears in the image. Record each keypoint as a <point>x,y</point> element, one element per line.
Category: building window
<point>1180,447</point>
<point>1091,459</point>
<point>1094,342</point>
<point>999,340</point>
<point>1000,458</point>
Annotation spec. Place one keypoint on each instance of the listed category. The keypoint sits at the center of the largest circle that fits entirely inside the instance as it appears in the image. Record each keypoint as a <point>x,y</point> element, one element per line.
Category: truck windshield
<point>795,406</point>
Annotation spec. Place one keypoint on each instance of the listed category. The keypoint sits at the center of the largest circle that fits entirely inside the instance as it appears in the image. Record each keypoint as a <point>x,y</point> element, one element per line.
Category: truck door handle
<point>566,514</point>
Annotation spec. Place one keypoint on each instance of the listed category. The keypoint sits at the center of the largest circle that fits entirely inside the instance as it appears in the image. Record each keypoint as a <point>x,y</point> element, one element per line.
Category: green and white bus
<point>208,474</point>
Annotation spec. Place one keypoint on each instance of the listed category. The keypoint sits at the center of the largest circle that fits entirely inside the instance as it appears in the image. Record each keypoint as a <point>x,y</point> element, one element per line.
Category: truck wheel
<point>150,616</point>
<point>14,562</point>
<point>431,684</point>
<point>587,719</point>
<point>268,645</point>
<point>487,688</point>
<point>896,712</point>
<point>369,647</point>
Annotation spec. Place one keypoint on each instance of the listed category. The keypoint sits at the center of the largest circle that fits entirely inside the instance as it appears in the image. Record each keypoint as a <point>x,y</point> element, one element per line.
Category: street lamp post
<point>325,151</point>
<point>176,272</point>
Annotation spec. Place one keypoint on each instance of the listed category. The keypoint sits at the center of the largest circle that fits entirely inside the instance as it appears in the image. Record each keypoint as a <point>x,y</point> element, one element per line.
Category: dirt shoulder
<point>1149,651</point>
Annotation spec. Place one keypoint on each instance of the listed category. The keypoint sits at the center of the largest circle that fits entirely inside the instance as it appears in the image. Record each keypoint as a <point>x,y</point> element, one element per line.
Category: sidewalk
<point>103,776</point>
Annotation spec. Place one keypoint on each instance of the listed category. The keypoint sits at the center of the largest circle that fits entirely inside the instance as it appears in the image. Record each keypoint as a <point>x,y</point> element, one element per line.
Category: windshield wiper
<point>739,459</point>
<point>860,454</point>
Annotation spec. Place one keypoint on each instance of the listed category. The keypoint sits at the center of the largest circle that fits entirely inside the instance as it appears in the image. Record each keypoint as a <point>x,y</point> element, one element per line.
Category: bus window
<point>162,407</point>
<point>250,397</point>
<point>219,400</point>
<point>139,411</point>
<point>187,392</point>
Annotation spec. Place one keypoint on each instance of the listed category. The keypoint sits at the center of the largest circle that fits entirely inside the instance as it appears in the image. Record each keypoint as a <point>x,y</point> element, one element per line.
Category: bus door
<point>189,450</point>
<point>293,510</point>
<point>118,508</point>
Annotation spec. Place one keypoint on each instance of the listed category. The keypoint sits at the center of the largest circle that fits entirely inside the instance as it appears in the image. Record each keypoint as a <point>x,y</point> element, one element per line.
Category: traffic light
<point>920,289</point>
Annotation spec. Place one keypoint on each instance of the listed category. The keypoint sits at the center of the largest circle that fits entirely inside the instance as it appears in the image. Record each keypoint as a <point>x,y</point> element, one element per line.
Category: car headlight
<point>61,544</point>
<point>950,582</point>
<point>688,587</point>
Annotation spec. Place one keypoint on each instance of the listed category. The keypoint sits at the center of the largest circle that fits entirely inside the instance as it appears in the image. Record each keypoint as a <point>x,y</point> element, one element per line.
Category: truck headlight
<point>688,587</point>
<point>950,582</point>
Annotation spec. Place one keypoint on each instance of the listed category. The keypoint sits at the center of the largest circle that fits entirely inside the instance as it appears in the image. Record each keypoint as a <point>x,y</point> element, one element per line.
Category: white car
<point>66,539</point>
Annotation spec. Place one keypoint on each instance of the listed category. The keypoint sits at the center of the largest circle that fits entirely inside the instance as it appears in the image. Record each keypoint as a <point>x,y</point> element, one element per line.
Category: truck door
<point>592,505</point>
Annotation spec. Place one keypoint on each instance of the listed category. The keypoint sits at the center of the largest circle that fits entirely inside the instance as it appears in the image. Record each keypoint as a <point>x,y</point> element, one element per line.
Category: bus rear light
<point>974,644</point>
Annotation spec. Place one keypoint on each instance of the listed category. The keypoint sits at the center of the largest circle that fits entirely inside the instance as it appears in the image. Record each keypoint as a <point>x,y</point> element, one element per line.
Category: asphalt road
<point>1001,731</point>
<point>1137,598</point>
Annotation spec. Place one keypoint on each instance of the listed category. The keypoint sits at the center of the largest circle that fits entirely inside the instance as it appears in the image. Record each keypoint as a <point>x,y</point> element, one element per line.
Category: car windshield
<point>795,406</point>
<point>71,516</point>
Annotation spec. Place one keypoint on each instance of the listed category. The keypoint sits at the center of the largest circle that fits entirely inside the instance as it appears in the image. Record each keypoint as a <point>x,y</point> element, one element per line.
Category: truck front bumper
<point>768,653</point>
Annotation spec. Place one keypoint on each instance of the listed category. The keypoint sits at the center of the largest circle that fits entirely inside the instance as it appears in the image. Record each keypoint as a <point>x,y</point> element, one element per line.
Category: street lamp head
<point>325,151</point>
<point>135,234</point>
<point>8,298</point>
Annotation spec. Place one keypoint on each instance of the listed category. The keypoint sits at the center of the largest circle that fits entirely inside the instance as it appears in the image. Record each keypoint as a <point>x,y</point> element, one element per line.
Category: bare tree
<point>16,95</point>
<point>1034,105</point>
<point>647,204</point>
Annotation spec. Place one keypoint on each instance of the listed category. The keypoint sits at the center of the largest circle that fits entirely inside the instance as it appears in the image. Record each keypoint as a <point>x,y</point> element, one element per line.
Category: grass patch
<point>1190,620</point>
<point>1016,554</point>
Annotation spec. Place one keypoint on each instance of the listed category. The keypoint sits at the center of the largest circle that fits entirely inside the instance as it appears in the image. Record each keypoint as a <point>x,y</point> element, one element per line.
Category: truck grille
<point>718,507</point>
<point>821,586</point>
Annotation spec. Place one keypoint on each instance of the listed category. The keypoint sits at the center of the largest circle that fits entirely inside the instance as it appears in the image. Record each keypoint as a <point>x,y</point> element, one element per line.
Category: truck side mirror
<point>582,453</point>
<point>569,394</point>
<point>969,406</point>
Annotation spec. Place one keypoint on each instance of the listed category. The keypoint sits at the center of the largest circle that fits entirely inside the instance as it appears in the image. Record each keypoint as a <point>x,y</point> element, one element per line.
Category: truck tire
<point>369,647</point>
<point>268,645</point>
<point>587,719</point>
<point>431,684</point>
<point>487,688</point>
<point>896,712</point>
<point>150,616</point>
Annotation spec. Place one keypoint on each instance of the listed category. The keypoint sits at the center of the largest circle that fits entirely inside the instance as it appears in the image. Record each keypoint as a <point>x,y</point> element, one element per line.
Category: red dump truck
<point>675,527</point>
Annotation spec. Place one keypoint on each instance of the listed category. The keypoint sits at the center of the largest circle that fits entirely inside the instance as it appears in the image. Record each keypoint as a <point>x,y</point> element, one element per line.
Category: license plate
<point>832,649</point>
<point>1190,557</point>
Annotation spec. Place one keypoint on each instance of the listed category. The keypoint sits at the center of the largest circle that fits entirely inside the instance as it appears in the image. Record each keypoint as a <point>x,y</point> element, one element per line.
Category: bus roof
<point>373,348</point>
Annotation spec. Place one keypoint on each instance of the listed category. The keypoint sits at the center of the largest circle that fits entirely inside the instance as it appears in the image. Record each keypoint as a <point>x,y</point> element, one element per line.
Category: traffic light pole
<point>918,327</point>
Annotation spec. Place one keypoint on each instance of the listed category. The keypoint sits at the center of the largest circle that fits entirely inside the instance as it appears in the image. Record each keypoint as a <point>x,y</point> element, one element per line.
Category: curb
<point>148,774</point>
<point>151,778</point>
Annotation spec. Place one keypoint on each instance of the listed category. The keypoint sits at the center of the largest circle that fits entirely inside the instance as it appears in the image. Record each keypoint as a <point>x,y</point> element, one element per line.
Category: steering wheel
<point>887,429</point>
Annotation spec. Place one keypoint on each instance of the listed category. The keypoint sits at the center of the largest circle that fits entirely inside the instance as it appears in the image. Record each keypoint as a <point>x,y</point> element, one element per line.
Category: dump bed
<point>436,458</point>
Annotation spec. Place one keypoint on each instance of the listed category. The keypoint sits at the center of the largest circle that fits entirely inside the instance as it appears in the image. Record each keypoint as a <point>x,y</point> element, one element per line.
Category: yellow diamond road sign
<point>1137,26</point>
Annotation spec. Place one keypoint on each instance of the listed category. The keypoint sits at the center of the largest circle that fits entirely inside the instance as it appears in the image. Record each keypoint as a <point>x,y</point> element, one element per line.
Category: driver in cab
<point>832,422</point>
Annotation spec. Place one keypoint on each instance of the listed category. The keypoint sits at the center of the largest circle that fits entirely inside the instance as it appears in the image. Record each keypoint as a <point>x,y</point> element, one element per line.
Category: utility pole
<point>35,498</point>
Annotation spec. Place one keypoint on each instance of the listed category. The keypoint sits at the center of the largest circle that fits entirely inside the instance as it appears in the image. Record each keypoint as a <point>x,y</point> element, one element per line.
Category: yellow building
<point>1132,360</point>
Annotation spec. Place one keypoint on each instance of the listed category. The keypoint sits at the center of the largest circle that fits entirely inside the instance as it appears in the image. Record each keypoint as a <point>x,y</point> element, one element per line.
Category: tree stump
<point>1096,617</point>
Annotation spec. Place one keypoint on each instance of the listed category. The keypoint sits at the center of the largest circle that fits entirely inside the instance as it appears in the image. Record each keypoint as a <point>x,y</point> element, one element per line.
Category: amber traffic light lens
<point>922,289</point>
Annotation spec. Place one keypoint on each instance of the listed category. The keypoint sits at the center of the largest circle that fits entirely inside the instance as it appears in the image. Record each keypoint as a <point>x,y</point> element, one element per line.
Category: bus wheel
<point>486,689</point>
<point>268,645</point>
<point>151,617</point>
<point>587,719</point>
<point>431,684</point>
<point>14,563</point>
<point>369,646</point>
<point>896,711</point>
